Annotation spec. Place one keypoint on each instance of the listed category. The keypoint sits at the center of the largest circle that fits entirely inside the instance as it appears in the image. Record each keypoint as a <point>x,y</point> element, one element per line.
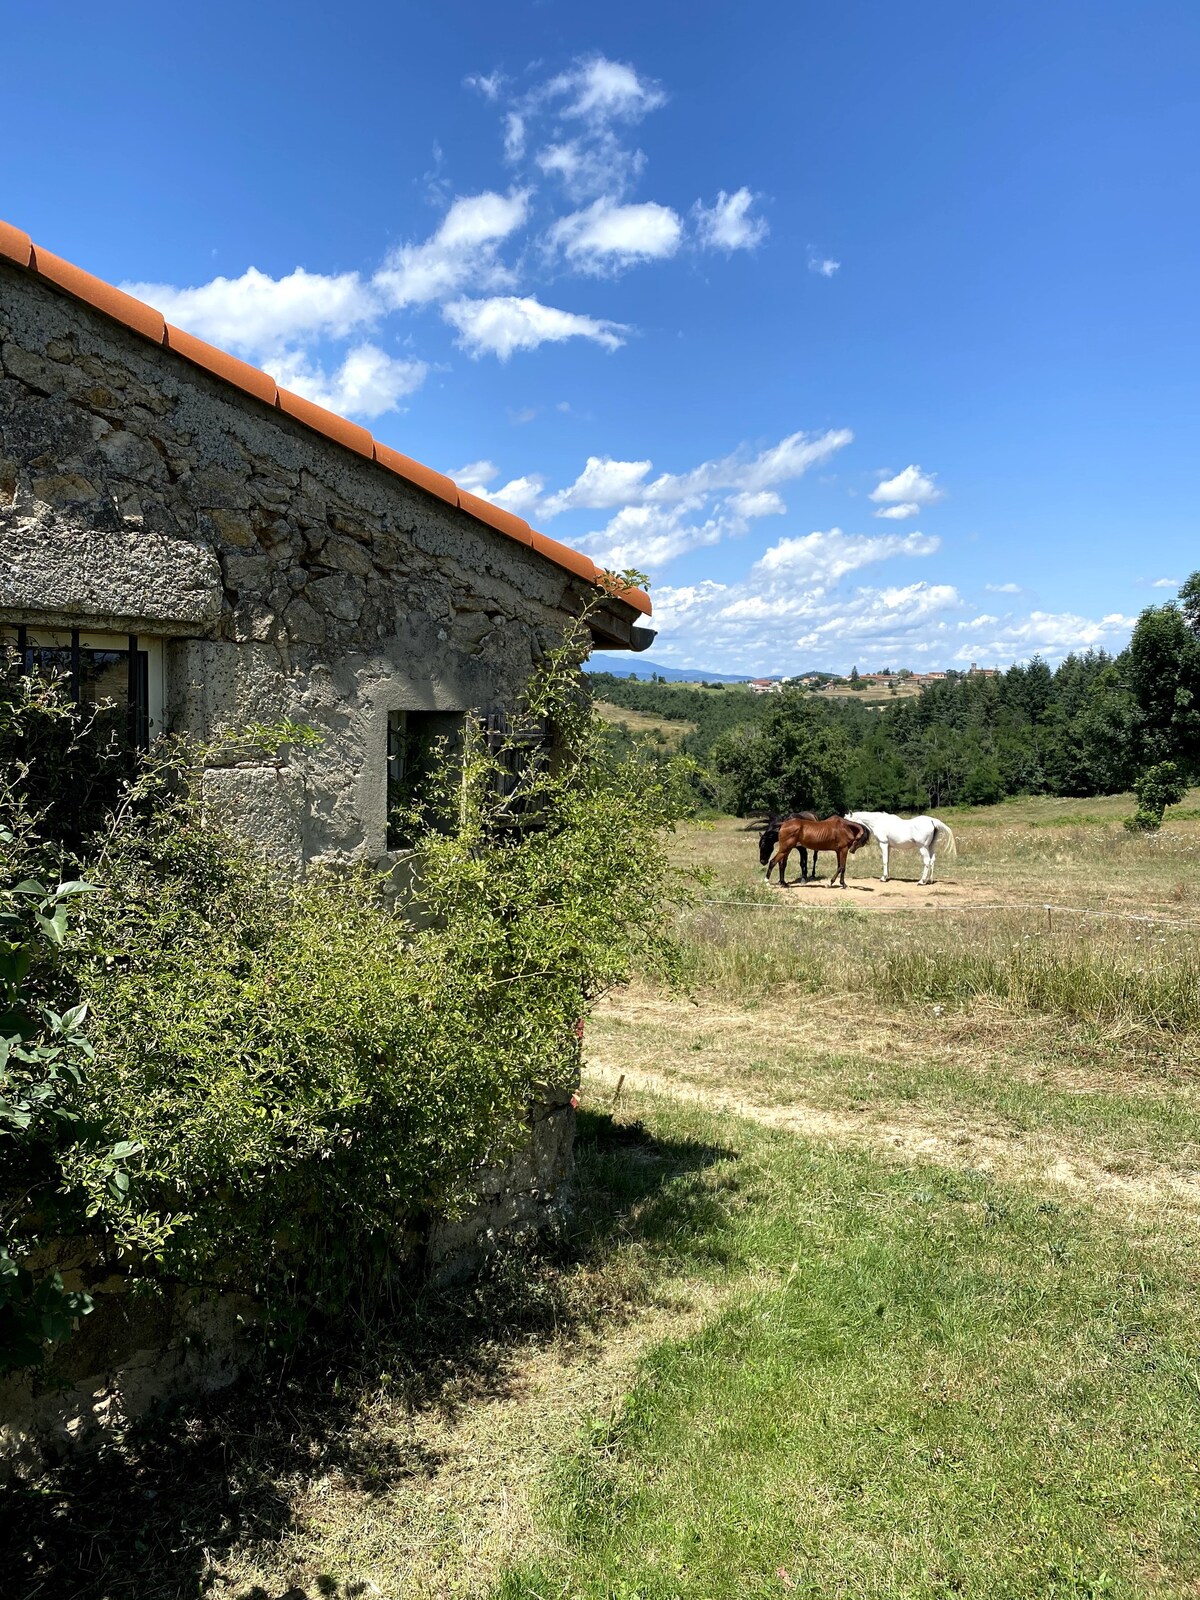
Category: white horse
<point>923,832</point>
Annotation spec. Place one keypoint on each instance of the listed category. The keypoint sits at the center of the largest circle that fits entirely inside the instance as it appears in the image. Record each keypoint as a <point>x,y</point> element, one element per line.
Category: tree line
<point>1096,724</point>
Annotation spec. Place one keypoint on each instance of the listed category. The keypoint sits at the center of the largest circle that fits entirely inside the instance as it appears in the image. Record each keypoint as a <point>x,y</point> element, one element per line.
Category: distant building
<point>983,672</point>
<point>766,686</point>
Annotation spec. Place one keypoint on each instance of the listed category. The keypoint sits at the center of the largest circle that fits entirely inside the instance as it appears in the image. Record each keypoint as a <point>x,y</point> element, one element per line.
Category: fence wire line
<point>999,905</point>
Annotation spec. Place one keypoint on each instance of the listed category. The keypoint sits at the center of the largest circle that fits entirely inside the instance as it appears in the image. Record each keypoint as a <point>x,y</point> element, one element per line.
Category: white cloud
<point>604,482</point>
<point>461,253</point>
<point>514,136</point>
<point>600,91</point>
<point>907,508</point>
<point>1002,588</point>
<point>255,314</point>
<point>1052,634</point>
<point>521,495</point>
<point>756,503</point>
<point>489,85</point>
<point>788,614</point>
<point>1165,583</point>
<point>910,487</point>
<point>831,555</point>
<point>474,476</point>
<point>599,165</point>
<point>823,266</point>
<point>727,225</point>
<point>648,536</point>
<point>578,120</point>
<point>606,236</point>
<point>504,323</point>
<point>366,384</point>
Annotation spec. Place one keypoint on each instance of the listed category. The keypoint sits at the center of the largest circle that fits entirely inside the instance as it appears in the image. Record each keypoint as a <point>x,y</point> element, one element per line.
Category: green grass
<point>1123,1116</point>
<point>948,1387</point>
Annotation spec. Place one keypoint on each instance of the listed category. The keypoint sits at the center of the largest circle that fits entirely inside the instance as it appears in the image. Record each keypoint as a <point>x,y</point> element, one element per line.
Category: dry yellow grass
<point>642,723</point>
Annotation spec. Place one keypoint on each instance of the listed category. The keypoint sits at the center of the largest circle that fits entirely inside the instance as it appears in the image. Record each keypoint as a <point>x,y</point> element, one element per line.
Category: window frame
<point>147,680</point>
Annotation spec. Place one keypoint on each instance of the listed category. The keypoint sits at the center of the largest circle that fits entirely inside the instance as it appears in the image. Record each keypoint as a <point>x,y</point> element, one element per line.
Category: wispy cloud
<point>503,324</point>
<point>605,482</point>
<point>1165,583</point>
<point>823,266</point>
<point>1003,588</point>
<point>727,223</point>
<point>461,253</point>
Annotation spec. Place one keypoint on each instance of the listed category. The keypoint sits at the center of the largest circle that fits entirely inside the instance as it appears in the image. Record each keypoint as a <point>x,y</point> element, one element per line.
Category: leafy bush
<point>1158,787</point>
<point>43,1054</point>
<point>285,1078</point>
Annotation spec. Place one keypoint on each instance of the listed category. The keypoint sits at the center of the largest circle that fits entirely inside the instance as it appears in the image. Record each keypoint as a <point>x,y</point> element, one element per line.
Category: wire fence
<point>1050,908</point>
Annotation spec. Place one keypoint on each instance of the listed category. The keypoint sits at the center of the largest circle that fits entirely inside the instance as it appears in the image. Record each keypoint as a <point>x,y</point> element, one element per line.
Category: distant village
<point>866,680</point>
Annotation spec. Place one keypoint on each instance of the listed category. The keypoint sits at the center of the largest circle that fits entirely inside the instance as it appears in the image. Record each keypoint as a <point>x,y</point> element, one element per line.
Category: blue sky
<point>869,331</point>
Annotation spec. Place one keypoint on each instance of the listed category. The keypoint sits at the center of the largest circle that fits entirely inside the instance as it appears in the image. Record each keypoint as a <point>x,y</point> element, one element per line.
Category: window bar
<point>132,695</point>
<point>76,679</point>
<point>23,646</point>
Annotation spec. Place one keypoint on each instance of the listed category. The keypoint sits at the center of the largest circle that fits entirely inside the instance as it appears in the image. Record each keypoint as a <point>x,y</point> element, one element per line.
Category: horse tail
<point>942,827</point>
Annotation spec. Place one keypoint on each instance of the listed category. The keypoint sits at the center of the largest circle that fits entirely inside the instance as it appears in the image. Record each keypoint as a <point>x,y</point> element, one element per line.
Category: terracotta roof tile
<point>574,560</point>
<point>424,477</point>
<point>326,422</point>
<point>496,517</point>
<point>260,384</point>
<point>16,246</point>
<point>115,303</point>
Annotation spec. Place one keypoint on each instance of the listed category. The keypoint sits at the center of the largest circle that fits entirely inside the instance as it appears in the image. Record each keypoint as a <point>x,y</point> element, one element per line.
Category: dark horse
<point>805,832</point>
<point>769,839</point>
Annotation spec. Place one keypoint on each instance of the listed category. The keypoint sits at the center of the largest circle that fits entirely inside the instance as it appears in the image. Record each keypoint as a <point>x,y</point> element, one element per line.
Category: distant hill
<point>622,665</point>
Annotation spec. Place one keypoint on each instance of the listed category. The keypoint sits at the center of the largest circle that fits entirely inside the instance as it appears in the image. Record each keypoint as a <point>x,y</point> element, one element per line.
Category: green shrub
<point>1158,787</point>
<point>296,1074</point>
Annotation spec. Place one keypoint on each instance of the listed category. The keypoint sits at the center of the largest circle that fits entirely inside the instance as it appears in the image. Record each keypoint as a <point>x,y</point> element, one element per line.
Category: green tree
<point>1160,786</point>
<point>795,759</point>
<point>1163,671</point>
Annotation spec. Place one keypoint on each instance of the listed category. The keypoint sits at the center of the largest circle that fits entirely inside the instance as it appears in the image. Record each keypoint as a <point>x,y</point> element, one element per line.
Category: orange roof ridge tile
<point>17,247</point>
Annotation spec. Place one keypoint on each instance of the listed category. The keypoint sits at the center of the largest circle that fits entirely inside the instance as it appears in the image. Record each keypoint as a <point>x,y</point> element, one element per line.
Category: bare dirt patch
<point>897,894</point>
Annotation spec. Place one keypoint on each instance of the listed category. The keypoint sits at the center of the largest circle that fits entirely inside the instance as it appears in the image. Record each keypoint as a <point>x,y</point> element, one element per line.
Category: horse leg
<point>883,851</point>
<point>814,864</point>
<point>803,865</point>
<point>926,865</point>
<point>841,868</point>
<point>783,860</point>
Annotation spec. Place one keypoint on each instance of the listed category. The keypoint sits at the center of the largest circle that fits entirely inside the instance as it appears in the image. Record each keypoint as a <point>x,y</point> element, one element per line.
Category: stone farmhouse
<point>189,540</point>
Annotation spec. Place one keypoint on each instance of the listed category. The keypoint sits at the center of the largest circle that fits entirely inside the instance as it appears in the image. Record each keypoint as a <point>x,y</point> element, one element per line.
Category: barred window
<point>123,671</point>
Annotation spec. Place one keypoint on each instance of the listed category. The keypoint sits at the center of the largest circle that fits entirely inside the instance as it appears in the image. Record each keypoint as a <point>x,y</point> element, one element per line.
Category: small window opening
<point>420,744</point>
<point>116,671</point>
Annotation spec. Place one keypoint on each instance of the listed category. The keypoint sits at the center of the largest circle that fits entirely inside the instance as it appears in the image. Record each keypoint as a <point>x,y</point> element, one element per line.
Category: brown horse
<point>834,833</point>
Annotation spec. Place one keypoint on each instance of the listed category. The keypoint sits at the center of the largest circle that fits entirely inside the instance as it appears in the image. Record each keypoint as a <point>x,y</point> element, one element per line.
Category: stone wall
<point>289,577</point>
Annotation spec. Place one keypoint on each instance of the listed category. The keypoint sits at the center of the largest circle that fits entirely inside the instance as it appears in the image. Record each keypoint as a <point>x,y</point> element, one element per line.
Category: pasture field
<point>881,1281</point>
<point>971,1136</point>
<point>661,729</point>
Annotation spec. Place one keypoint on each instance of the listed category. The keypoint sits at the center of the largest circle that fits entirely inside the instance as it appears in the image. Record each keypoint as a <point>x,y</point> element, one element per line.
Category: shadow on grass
<point>151,1516</point>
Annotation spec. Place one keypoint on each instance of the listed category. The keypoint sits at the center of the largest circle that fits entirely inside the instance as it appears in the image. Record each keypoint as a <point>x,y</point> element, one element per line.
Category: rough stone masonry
<point>285,576</point>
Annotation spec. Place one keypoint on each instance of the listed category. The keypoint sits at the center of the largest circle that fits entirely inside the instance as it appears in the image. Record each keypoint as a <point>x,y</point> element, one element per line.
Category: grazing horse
<point>923,832</point>
<point>838,834</point>
<point>770,838</point>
